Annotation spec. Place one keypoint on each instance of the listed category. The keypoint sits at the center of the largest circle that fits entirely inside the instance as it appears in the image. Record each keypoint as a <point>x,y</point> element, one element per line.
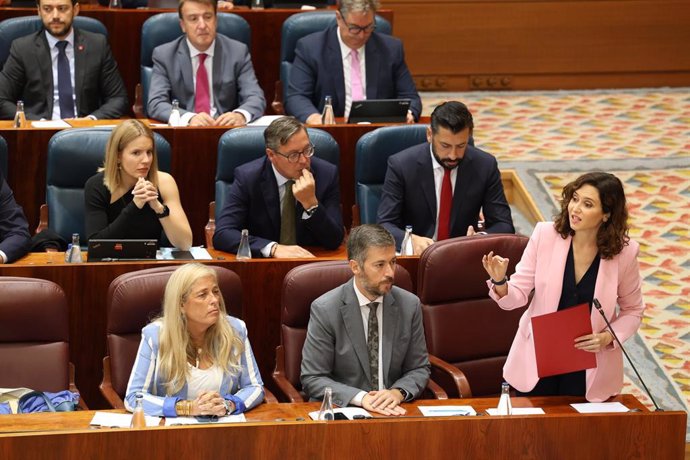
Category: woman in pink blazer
<point>585,254</point>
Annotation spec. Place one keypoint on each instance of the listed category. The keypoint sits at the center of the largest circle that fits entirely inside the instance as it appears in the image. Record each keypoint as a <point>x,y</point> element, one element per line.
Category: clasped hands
<point>210,403</point>
<point>145,192</point>
<point>227,119</point>
<point>385,402</point>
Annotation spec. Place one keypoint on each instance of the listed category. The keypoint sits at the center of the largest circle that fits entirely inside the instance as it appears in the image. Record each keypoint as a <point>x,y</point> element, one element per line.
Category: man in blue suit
<point>287,199</point>
<point>441,186</point>
<point>349,61</point>
<point>14,230</point>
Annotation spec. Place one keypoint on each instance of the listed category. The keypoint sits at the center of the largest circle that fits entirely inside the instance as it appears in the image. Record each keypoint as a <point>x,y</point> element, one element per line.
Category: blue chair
<point>3,157</point>
<point>24,25</point>
<point>74,155</point>
<point>165,27</point>
<point>296,27</point>
<point>242,145</point>
<point>371,163</point>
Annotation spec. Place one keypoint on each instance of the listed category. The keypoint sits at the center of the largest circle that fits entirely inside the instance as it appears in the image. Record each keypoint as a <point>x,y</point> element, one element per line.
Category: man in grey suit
<point>227,94</point>
<point>365,339</point>
<point>61,71</point>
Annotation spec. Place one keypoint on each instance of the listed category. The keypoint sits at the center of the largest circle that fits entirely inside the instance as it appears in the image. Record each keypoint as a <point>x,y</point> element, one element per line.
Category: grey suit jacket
<point>335,351</point>
<point>234,82</point>
<point>28,76</point>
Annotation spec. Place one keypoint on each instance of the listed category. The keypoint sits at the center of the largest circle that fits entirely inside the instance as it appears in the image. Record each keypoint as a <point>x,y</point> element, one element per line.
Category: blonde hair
<point>121,136</point>
<point>221,343</point>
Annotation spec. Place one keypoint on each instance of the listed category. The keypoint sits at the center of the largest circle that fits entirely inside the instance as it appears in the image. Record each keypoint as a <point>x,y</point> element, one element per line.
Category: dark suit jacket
<point>14,230</point>
<point>409,196</point>
<point>234,82</point>
<point>318,72</point>
<point>254,204</point>
<point>28,76</point>
<point>335,351</point>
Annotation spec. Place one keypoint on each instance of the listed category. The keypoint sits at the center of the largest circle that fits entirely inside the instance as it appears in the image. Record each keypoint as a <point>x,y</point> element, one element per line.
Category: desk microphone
<point>603,315</point>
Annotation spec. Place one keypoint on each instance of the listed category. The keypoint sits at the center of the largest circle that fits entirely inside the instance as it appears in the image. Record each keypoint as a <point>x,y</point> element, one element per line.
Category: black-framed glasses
<point>355,29</point>
<point>293,157</point>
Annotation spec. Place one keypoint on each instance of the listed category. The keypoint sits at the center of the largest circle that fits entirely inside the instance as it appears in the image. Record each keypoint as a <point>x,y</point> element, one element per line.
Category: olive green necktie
<point>288,234</point>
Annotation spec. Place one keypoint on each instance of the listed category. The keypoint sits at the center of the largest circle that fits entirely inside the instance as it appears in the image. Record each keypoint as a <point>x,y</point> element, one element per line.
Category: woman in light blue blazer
<point>194,359</point>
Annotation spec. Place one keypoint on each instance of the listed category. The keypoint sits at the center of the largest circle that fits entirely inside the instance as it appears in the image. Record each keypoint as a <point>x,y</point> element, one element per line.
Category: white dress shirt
<point>364,309</point>
<point>345,53</point>
<point>69,51</point>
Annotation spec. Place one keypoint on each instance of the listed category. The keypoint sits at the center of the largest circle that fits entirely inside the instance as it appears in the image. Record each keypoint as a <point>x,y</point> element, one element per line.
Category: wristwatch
<point>228,407</point>
<point>164,213</point>
<point>311,210</point>
<point>403,392</point>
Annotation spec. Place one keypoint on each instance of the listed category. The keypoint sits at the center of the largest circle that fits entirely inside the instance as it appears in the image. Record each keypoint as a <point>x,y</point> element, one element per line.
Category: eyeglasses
<point>293,157</point>
<point>355,29</point>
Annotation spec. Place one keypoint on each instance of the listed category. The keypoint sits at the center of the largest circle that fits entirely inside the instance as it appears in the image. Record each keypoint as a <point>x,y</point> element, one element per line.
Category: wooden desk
<point>560,433</point>
<point>124,29</point>
<point>86,287</point>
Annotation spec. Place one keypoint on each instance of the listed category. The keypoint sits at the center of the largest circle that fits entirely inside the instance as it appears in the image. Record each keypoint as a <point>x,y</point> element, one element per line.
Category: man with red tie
<point>441,186</point>
<point>210,75</point>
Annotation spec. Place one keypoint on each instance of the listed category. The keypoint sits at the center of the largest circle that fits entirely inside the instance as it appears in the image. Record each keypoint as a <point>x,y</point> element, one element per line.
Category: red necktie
<point>444,210</point>
<point>202,100</point>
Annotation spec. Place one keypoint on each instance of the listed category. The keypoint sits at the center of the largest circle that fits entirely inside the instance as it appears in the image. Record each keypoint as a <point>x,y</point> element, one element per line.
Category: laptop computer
<point>121,250</point>
<point>379,111</point>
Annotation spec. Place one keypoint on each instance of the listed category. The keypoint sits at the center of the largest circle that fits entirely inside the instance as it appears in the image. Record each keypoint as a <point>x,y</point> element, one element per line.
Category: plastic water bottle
<point>138,419</point>
<point>244,252</point>
<point>20,116</point>
<point>504,405</point>
<point>326,411</point>
<point>74,250</point>
<point>174,119</point>
<point>257,4</point>
<point>327,117</point>
<point>406,248</point>
<point>115,4</point>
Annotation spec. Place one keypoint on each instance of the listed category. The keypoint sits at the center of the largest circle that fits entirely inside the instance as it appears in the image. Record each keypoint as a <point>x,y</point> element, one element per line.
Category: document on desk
<point>194,253</point>
<point>265,120</point>
<point>518,411</point>
<point>348,412</point>
<point>172,421</point>
<point>554,341</point>
<point>599,408</point>
<point>50,124</point>
<point>446,411</point>
<point>110,420</point>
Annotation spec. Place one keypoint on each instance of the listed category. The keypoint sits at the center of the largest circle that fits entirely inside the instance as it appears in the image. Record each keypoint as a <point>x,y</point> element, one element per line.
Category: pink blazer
<point>541,268</point>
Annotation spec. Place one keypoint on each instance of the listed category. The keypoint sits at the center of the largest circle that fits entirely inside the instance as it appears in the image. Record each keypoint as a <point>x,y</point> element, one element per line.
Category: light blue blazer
<point>244,389</point>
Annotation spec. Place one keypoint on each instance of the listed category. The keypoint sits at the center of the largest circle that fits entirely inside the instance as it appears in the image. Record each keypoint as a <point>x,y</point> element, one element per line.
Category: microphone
<point>603,315</point>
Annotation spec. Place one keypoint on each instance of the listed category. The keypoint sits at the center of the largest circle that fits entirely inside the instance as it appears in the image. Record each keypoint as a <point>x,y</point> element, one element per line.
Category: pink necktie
<point>355,76</point>
<point>202,100</point>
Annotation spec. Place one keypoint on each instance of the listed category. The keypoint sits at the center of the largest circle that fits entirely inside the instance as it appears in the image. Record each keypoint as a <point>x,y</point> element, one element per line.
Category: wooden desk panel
<point>560,433</point>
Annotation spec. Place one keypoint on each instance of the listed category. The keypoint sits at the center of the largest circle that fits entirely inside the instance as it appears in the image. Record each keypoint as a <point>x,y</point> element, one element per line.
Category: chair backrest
<point>3,157</point>
<point>165,27</point>
<point>242,145</point>
<point>301,286</point>
<point>463,326</point>
<point>371,163</point>
<point>24,25</point>
<point>134,299</point>
<point>34,334</point>
<point>74,155</point>
<point>302,24</point>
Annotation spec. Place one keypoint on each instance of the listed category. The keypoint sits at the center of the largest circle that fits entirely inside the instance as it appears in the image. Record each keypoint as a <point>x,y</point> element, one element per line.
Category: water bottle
<point>327,117</point>
<point>115,4</point>
<point>138,419</point>
<point>20,116</point>
<point>243,251</point>
<point>406,248</point>
<point>174,119</point>
<point>75,250</point>
<point>504,405</point>
<point>326,411</point>
<point>257,4</point>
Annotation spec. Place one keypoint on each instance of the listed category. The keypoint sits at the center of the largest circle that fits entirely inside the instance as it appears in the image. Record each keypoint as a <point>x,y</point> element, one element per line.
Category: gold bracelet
<point>178,407</point>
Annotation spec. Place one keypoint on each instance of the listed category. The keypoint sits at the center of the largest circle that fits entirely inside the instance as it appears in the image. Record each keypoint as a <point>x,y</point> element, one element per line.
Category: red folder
<point>554,341</point>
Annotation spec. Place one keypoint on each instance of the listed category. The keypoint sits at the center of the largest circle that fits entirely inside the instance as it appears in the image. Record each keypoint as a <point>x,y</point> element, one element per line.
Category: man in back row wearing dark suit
<point>228,93</point>
<point>287,199</point>
<point>14,230</point>
<point>82,81</point>
<point>349,61</point>
<point>441,186</point>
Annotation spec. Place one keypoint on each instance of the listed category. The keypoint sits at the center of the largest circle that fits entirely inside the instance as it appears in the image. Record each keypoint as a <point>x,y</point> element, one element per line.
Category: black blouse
<point>578,293</point>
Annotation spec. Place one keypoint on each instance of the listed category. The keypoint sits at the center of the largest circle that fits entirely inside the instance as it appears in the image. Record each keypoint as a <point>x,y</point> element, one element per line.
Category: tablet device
<point>121,250</point>
<point>379,111</point>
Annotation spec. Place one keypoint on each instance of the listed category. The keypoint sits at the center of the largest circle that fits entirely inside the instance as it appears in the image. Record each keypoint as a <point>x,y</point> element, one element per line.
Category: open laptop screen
<point>121,250</point>
<point>379,111</point>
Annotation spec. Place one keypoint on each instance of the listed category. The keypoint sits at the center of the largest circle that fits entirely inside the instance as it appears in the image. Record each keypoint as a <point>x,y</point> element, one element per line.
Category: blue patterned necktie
<point>373,344</point>
<point>65,93</point>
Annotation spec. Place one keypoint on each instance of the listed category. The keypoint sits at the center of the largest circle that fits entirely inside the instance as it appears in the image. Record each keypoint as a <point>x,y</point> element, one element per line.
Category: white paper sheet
<point>348,412</point>
<point>265,120</point>
<point>198,253</point>
<point>110,420</point>
<point>172,421</point>
<point>519,411</point>
<point>446,411</point>
<point>599,408</point>
<point>50,124</point>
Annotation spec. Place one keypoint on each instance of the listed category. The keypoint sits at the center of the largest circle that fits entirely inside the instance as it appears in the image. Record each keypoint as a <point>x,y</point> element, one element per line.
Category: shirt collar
<point>362,299</point>
<point>52,41</point>
<point>193,52</point>
<point>280,179</point>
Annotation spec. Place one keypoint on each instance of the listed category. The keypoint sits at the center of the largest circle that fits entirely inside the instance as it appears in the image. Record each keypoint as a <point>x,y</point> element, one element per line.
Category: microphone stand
<point>603,315</point>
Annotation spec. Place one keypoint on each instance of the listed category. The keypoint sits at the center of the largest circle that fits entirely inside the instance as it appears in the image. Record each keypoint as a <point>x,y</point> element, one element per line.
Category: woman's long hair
<point>121,136</point>
<point>613,233</point>
<point>221,342</point>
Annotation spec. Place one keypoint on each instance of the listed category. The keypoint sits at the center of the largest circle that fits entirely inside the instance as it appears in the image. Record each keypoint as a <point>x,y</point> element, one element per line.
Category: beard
<point>58,29</point>
<point>446,163</point>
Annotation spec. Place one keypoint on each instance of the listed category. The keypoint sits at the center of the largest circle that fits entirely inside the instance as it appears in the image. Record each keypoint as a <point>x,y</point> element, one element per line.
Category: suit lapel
<point>371,67</point>
<point>185,60</point>
<point>269,188</point>
<point>427,180</point>
<point>335,62</point>
<point>462,181</point>
<point>559,256</point>
<point>390,332</point>
<point>606,291</point>
<point>44,62</point>
<point>354,326</point>
<point>80,58</point>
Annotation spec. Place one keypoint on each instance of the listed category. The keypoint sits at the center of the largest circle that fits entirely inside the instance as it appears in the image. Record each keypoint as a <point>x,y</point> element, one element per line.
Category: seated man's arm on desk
<point>251,98</point>
<point>495,208</point>
<point>326,222</point>
<point>301,88</point>
<point>111,88</point>
<point>159,103</point>
<point>404,85</point>
<point>13,79</point>
<point>15,238</point>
